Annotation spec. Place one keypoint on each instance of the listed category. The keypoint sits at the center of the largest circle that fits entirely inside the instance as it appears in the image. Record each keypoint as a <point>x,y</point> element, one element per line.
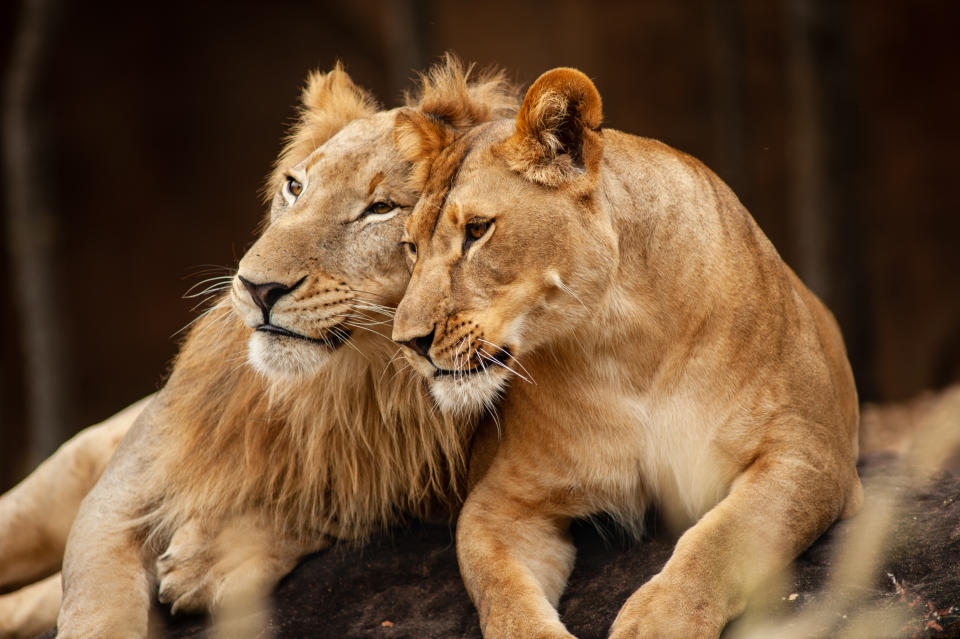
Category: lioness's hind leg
<point>31,610</point>
<point>36,515</point>
<point>207,565</point>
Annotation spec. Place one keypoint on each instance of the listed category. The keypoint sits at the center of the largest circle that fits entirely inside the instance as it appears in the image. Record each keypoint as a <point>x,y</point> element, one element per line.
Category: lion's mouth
<point>499,360</point>
<point>331,339</point>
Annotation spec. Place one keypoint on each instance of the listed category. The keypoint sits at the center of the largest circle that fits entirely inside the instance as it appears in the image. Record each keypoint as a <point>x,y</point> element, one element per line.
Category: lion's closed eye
<point>378,211</point>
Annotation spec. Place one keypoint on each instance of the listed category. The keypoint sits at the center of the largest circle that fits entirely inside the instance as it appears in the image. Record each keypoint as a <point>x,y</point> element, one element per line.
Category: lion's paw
<point>185,571</point>
<point>240,560</point>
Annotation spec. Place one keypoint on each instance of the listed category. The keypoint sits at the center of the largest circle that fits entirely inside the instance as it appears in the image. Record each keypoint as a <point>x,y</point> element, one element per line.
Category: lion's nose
<point>266,295</point>
<point>421,345</point>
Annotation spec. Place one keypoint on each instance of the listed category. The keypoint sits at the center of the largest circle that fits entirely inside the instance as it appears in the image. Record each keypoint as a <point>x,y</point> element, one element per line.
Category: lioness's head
<point>506,249</point>
<point>328,268</point>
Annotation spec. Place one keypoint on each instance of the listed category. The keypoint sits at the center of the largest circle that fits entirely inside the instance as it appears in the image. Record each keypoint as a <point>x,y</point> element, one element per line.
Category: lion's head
<point>328,267</point>
<point>506,251</point>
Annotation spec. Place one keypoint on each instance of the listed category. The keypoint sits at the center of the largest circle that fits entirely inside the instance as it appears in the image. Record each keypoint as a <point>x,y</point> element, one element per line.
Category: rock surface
<point>406,584</point>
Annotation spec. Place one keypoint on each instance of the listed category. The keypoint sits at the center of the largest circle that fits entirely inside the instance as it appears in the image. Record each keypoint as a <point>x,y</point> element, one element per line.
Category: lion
<point>673,360</point>
<point>287,420</point>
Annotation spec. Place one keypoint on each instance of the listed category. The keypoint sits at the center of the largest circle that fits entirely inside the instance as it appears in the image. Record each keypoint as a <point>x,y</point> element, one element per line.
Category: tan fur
<point>664,355</point>
<point>329,102</point>
<point>36,515</point>
<point>260,435</point>
<point>30,611</point>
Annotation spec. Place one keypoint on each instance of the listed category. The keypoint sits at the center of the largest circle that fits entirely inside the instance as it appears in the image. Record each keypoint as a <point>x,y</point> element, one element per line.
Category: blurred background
<point>135,143</point>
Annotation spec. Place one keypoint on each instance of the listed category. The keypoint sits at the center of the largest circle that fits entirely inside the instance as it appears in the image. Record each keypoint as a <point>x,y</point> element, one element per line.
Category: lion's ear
<point>420,137</point>
<point>558,129</point>
<point>329,101</point>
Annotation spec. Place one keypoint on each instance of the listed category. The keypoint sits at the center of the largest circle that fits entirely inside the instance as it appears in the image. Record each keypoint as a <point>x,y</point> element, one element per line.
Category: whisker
<point>213,288</point>
<point>207,269</point>
<point>493,360</point>
<point>345,337</point>
<point>368,321</point>
<point>510,357</point>
<point>397,354</point>
<point>347,322</point>
<point>494,414</point>
<point>360,290</point>
<point>563,287</point>
<point>376,308</point>
<point>199,317</point>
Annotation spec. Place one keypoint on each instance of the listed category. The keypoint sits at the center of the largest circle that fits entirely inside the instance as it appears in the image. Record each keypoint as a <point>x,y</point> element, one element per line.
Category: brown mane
<point>342,452</point>
<point>357,444</point>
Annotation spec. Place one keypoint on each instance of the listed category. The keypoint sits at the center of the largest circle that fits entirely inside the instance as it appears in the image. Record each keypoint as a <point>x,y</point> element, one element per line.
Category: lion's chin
<point>280,357</point>
<point>471,394</point>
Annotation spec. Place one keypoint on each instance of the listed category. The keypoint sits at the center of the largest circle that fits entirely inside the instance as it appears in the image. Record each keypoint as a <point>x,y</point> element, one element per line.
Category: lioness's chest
<point>639,449</point>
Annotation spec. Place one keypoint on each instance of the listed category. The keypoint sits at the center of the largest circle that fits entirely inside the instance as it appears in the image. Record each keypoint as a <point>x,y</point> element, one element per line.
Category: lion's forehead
<point>361,149</point>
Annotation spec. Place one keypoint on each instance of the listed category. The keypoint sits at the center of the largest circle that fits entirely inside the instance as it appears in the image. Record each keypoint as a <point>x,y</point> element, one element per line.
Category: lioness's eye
<point>410,248</point>
<point>475,230</point>
<point>379,208</point>
<point>293,187</point>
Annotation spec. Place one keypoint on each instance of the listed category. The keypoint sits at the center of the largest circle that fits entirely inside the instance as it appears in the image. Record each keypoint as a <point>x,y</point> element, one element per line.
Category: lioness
<point>35,519</point>
<point>673,359</point>
<point>287,417</point>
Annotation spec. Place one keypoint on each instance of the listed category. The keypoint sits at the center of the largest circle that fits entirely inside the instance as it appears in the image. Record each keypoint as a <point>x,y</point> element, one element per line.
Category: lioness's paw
<point>658,611</point>
<point>184,571</point>
<point>507,625</point>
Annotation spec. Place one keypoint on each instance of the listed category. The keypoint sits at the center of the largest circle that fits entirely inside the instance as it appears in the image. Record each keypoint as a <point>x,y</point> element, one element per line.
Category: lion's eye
<point>293,187</point>
<point>379,208</point>
<point>475,230</point>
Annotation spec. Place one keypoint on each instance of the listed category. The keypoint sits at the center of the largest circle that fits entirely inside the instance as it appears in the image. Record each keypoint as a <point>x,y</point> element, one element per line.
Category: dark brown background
<point>835,122</point>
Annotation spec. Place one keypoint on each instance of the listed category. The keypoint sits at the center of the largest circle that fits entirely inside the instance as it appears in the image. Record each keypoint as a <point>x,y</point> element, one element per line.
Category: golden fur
<point>665,356</point>
<point>307,429</point>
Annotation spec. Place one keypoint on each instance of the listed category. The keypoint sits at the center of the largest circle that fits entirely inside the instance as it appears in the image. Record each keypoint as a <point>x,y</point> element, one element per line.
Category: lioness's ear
<point>420,137</point>
<point>328,102</point>
<point>558,129</point>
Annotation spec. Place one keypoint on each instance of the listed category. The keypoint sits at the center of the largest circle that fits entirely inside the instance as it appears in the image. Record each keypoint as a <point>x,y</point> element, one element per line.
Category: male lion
<point>673,359</point>
<point>287,421</point>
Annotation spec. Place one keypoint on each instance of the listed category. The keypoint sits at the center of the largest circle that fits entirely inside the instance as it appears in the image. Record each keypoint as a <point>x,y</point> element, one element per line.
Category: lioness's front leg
<point>515,559</point>
<point>31,610</point>
<point>775,509</point>
<point>36,515</point>
<point>206,565</point>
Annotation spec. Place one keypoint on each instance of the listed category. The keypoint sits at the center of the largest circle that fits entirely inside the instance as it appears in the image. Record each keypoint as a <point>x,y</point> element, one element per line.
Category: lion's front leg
<point>775,509</point>
<point>208,565</point>
<point>107,570</point>
<point>515,560</point>
<point>106,586</point>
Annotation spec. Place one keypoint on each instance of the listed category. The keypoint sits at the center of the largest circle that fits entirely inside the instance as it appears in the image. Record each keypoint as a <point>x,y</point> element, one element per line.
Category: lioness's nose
<point>421,345</point>
<point>266,295</point>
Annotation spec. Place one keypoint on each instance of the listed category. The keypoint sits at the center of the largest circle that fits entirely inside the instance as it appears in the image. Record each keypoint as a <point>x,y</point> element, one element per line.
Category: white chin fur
<point>471,394</point>
<point>284,356</point>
